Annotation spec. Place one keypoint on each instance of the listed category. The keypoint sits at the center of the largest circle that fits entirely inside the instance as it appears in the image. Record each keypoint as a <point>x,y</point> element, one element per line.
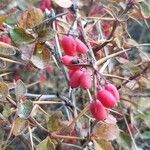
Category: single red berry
<point>45,4</point>
<point>66,60</point>
<point>70,62</point>
<point>75,78</point>
<point>106,98</point>
<point>69,45</point>
<point>81,47</point>
<point>5,39</point>
<point>113,90</point>
<point>86,80</point>
<point>97,110</point>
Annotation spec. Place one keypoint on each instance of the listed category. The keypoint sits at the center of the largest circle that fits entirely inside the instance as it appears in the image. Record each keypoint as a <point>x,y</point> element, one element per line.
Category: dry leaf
<point>30,18</point>
<point>106,131</point>
<point>41,56</point>
<point>3,90</point>
<point>63,3</point>
<point>20,89</point>
<point>19,126</point>
<point>6,49</point>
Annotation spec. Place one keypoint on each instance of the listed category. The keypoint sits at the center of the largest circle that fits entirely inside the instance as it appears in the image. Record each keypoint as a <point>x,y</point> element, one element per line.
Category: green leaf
<point>7,111</point>
<point>146,117</point>
<point>41,56</point>
<point>146,135</point>
<point>24,109</point>
<point>124,140</point>
<point>46,144</point>
<point>20,36</point>
<point>6,49</point>
<point>20,89</point>
<point>102,145</point>
<point>46,34</point>
<point>19,126</point>
<point>44,31</point>
<point>2,64</point>
<point>8,148</point>
<point>145,9</point>
<point>54,122</point>
<point>2,134</point>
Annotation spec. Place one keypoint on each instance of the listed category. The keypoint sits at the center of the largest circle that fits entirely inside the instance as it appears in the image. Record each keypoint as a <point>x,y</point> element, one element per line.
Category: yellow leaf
<point>19,126</point>
<point>2,19</point>
<point>3,90</point>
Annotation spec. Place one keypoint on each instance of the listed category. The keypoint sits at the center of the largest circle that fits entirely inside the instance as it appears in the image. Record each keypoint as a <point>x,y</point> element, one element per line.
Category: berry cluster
<point>79,77</point>
<point>107,97</point>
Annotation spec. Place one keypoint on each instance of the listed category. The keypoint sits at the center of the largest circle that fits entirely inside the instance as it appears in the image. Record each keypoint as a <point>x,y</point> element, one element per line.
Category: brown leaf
<point>3,90</point>
<point>19,126</point>
<point>41,56</point>
<point>63,3</point>
<point>106,131</point>
<point>111,119</point>
<point>30,18</point>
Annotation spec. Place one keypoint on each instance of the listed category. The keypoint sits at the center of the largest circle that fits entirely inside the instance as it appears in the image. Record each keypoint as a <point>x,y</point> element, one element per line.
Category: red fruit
<point>98,111</point>
<point>75,78</point>
<point>106,98</point>
<point>113,90</point>
<point>73,67</point>
<point>5,39</point>
<point>85,80</point>
<point>69,45</point>
<point>46,4</point>
<point>67,60</point>
<point>70,60</point>
<point>81,47</point>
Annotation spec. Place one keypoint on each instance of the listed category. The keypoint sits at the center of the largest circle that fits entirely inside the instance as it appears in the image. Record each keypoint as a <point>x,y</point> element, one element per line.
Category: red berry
<point>106,98</point>
<point>86,80</point>
<point>75,78</point>
<point>98,111</point>
<point>81,47</point>
<point>69,45</point>
<point>113,90</point>
<point>70,60</point>
<point>66,60</point>
<point>5,39</point>
<point>46,4</point>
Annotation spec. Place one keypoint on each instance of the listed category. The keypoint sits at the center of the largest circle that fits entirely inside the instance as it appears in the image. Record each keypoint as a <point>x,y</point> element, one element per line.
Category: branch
<point>100,46</point>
